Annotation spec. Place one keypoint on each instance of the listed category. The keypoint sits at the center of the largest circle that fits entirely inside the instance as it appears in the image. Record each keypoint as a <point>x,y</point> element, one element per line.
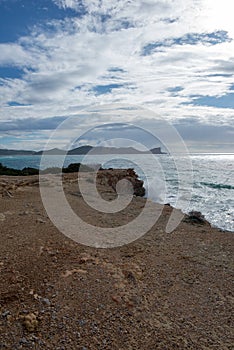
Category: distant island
<point>82,150</point>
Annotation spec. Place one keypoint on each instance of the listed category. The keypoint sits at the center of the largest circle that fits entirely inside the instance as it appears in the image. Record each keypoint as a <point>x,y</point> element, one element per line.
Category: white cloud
<point>66,3</point>
<point>13,54</point>
<point>63,64</point>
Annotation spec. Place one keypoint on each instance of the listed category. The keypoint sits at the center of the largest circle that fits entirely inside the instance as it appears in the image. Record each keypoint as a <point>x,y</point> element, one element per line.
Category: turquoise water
<point>210,181</point>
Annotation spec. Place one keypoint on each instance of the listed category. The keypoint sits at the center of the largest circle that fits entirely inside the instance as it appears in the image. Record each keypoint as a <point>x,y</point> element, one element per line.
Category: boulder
<point>113,177</point>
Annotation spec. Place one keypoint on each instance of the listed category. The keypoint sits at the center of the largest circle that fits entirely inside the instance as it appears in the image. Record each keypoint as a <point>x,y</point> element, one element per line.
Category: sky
<point>58,58</point>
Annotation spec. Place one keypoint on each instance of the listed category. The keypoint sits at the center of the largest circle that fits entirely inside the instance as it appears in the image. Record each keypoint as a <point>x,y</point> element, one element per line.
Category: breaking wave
<point>218,186</point>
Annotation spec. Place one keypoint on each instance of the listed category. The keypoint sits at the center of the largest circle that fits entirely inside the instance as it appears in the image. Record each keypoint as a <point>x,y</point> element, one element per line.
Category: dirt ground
<point>162,291</point>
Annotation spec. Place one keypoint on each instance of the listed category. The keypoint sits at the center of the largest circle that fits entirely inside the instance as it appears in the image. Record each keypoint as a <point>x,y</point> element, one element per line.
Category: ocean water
<point>202,182</point>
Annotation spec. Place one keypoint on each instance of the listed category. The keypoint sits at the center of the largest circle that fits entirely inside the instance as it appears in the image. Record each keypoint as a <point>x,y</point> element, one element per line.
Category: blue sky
<point>17,17</point>
<point>58,57</point>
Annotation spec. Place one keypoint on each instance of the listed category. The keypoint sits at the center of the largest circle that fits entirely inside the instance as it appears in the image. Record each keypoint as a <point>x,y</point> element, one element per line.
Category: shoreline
<point>73,168</point>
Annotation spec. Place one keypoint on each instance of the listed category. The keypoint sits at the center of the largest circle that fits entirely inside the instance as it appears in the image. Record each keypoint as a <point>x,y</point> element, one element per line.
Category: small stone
<point>116,298</point>
<point>71,272</point>
<point>26,212</point>
<point>2,217</point>
<point>9,318</point>
<point>7,194</point>
<point>46,301</point>
<point>5,314</point>
<point>9,212</point>
<point>41,221</point>
<point>30,322</point>
<point>23,341</point>
<point>82,322</point>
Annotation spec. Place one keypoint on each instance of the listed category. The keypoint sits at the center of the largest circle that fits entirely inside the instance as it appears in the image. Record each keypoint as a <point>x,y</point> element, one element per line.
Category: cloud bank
<point>174,58</point>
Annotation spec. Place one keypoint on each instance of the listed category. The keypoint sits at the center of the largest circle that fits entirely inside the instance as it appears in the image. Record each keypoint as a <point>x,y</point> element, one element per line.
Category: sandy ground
<point>163,291</point>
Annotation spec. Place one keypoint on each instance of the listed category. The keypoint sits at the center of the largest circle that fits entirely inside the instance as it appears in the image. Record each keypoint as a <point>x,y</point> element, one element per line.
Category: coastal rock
<point>112,177</point>
<point>195,217</point>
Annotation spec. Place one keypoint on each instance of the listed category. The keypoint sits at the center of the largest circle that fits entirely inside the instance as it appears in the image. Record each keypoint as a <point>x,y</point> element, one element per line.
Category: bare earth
<point>163,291</point>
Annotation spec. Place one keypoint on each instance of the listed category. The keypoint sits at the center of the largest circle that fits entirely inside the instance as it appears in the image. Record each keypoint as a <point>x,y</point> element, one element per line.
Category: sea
<point>195,182</point>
